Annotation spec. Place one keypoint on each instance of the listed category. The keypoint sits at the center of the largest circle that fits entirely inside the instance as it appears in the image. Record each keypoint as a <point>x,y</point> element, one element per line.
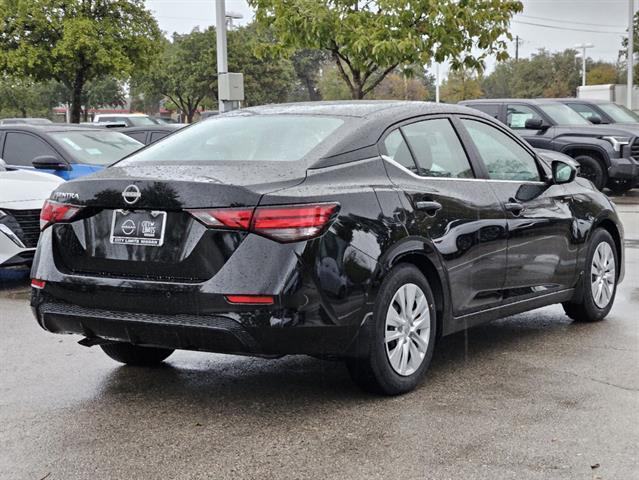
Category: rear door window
<point>397,149</point>
<point>437,149</point>
<point>139,136</point>
<point>516,116</point>
<point>584,110</point>
<point>22,148</point>
<point>491,109</point>
<point>155,136</point>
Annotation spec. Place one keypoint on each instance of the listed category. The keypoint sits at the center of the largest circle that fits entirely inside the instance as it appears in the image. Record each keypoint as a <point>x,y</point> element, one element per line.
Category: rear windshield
<point>99,147</point>
<point>242,138</point>
<point>619,113</point>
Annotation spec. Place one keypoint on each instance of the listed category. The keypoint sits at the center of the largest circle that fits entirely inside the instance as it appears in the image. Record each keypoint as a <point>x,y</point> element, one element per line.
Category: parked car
<point>602,112</point>
<point>68,151</point>
<point>607,154</point>
<point>164,120</point>
<point>129,119</point>
<point>152,133</point>
<point>216,238</point>
<point>25,121</point>
<point>22,195</point>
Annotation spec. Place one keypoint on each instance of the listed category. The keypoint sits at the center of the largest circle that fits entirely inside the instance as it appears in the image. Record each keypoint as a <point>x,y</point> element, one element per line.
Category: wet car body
<point>482,260</point>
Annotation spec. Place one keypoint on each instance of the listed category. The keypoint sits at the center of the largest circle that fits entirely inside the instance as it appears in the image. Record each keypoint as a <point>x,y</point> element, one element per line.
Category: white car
<point>126,119</point>
<point>22,194</point>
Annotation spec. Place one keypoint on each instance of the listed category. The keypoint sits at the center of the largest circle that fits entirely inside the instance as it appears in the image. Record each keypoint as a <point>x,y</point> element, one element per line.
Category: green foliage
<point>307,63</point>
<point>544,74</point>
<point>369,40</point>
<point>602,73</point>
<point>461,85</point>
<point>22,97</point>
<point>76,41</point>
<point>623,53</point>
<point>186,72</point>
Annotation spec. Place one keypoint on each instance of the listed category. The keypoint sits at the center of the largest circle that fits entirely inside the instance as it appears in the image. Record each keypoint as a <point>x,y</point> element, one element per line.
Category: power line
<point>555,27</point>
<point>572,21</point>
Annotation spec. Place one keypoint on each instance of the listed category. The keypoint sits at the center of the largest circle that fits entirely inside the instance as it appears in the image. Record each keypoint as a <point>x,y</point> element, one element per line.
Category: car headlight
<point>617,142</point>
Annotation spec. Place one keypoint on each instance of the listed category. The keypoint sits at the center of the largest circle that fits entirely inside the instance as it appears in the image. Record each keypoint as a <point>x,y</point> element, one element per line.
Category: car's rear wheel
<point>403,336</point>
<point>600,280</point>
<point>136,355</point>
<point>592,169</point>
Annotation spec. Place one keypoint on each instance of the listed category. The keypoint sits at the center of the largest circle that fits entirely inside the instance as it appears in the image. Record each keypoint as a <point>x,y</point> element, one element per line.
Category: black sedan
<point>361,230</point>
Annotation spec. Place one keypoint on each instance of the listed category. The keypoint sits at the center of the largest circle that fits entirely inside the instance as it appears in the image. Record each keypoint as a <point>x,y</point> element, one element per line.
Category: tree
<point>186,73</point>
<point>602,73</point>
<point>307,64</point>
<point>97,93</point>
<point>623,53</point>
<point>544,74</point>
<point>368,40</point>
<point>22,97</point>
<point>76,41</point>
<point>461,85</point>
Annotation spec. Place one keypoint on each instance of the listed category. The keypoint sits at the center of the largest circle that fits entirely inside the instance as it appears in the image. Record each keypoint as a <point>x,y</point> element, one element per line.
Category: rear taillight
<point>54,212</point>
<point>250,299</point>
<point>290,223</point>
<point>37,283</point>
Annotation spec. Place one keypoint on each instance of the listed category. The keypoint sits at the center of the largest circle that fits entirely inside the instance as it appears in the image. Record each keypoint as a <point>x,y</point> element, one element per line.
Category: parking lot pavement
<point>529,397</point>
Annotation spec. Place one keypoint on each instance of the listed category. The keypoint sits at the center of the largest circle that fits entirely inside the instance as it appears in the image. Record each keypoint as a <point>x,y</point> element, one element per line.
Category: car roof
<point>365,121</point>
<point>49,128</point>
<point>123,115</point>
<point>531,101</point>
<point>357,108</point>
<point>163,127</point>
<point>596,101</point>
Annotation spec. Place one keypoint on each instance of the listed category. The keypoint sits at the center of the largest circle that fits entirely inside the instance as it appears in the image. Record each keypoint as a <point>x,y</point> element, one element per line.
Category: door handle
<point>430,207</point>
<point>514,207</point>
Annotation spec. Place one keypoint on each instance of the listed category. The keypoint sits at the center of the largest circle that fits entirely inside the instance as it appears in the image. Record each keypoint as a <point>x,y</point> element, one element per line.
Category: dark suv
<point>607,154</point>
<point>602,112</point>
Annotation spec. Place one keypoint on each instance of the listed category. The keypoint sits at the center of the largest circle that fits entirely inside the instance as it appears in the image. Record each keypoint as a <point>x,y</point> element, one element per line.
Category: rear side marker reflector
<point>291,223</point>
<point>250,299</point>
<point>54,212</point>
<point>39,284</point>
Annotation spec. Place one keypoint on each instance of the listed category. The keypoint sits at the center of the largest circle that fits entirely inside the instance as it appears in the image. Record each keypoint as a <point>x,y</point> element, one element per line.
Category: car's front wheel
<point>135,354</point>
<point>403,337</point>
<point>600,280</point>
<point>592,169</point>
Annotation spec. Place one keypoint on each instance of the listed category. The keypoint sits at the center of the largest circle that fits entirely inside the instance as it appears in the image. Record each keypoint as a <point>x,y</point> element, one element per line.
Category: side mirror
<point>49,162</point>
<point>563,172</point>
<point>535,124</point>
<point>596,119</point>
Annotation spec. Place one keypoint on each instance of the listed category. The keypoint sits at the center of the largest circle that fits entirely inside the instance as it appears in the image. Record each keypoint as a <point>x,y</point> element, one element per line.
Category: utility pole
<point>583,47</point>
<point>437,82</point>
<point>631,56</point>
<point>517,48</point>
<point>230,86</point>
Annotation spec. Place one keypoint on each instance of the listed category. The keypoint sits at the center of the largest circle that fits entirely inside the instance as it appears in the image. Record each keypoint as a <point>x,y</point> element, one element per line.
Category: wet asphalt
<point>533,396</point>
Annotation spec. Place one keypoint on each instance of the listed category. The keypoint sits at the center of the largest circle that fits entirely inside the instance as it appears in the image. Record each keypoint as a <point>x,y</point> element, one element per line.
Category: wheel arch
<point>436,280</point>
<point>595,151</point>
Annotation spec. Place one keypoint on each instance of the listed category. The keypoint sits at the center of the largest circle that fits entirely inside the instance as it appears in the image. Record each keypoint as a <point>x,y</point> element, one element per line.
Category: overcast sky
<point>551,24</point>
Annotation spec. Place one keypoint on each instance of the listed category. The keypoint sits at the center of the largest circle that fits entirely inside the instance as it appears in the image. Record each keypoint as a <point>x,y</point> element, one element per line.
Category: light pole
<point>230,86</point>
<point>631,44</point>
<point>583,47</point>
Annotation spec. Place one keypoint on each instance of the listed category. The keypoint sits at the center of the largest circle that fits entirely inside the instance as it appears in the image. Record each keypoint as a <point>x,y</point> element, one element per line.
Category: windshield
<point>243,138</point>
<point>562,114</point>
<point>618,113</point>
<point>99,147</point>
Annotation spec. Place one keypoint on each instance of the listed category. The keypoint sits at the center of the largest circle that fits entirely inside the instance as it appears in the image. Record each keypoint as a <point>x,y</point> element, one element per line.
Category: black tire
<point>136,355</point>
<point>586,309</point>
<point>374,372</point>
<point>619,187</point>
<point>592,169</point>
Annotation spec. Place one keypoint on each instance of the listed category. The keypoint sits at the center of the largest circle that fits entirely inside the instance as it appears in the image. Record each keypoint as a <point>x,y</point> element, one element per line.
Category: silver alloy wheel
<point>603,275</point>
<point>407,329</point>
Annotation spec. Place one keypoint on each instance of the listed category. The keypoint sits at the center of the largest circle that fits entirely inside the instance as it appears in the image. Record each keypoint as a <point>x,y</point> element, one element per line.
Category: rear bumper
<point>624,169</point>
<point>220,333</point>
